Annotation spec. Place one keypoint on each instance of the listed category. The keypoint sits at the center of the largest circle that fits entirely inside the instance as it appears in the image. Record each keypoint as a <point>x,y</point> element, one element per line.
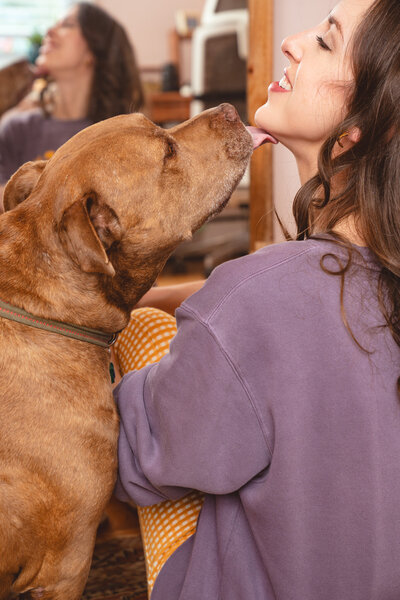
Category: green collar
<point>92,336</point>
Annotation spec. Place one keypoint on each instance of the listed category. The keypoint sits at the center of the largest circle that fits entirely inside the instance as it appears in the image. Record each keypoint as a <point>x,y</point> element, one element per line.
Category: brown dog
<point>88,234</point>
<point>15,82</point>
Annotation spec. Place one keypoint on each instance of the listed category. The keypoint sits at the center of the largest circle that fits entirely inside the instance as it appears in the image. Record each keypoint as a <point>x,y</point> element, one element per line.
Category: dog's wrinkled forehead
<point>115,159</point>
<point>128,158</point>
<point>107,137</point>
<point>105,149</point>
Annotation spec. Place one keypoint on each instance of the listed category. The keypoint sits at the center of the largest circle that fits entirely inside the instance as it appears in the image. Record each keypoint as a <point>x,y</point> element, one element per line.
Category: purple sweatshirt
<point>267,404</point>
<point>29,135</point>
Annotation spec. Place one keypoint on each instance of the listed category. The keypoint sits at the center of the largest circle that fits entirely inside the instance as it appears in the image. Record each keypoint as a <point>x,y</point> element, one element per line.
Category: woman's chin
<point>259,117</point>
<point>42,62</point>
<point>41,69</point>
<point>267,124</point>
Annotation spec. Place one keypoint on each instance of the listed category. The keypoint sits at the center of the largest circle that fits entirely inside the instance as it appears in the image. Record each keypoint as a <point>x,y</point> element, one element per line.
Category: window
<point>20,19</point>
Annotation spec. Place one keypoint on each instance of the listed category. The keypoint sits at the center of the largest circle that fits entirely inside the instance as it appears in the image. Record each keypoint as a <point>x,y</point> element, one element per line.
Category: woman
<point>280,397</point>
<point>92,75</point>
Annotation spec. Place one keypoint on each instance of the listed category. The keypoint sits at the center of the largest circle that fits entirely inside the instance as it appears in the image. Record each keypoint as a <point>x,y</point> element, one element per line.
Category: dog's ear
<point>87,229</point>
<point>22,183</point>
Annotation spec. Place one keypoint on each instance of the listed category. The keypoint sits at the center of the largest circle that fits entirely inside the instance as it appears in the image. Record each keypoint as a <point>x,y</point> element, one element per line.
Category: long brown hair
<point>116,87</point>
<point>116,84</point>
<point>371,168</point>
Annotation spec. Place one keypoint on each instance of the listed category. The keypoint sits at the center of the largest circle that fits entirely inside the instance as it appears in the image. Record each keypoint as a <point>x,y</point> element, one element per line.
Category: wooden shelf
<point>165,107</point>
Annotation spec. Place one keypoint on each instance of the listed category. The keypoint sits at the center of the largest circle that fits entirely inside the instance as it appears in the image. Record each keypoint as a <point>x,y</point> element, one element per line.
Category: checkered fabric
<point>167,525</point>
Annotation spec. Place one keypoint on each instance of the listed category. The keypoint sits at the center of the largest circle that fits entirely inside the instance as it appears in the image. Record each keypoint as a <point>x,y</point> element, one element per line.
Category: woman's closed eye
<point>322,43</point>
<point>68,22</point>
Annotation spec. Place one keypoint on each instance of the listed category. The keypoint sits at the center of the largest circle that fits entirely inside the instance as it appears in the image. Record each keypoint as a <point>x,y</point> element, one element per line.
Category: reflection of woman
<point>280,396</point>
<point>92,75</point>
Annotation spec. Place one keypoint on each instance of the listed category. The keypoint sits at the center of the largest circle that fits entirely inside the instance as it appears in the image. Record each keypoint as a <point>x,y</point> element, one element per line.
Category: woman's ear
<point>349,138</point>
<point>22,183</point>
<point>354,135</point>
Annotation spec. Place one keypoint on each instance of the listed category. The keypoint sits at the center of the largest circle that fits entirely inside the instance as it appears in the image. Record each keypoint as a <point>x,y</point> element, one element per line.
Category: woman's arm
<point>187,422</point>
<point>168,298</point>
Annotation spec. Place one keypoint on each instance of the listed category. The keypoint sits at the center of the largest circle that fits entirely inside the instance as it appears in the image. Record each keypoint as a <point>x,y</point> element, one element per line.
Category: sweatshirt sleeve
<point>187,422</point>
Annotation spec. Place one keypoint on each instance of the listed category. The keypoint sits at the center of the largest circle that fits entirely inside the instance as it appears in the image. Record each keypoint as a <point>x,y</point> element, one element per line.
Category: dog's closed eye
<point>170,149</point>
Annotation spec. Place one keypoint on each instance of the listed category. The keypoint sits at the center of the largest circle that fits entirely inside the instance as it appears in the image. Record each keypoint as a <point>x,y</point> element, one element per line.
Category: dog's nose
<point>230,113</point>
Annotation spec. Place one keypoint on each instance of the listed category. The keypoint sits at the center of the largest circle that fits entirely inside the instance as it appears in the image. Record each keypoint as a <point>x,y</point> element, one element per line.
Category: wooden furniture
<point>259,74</point>
<point>170,107</point>
<point>165,107</point>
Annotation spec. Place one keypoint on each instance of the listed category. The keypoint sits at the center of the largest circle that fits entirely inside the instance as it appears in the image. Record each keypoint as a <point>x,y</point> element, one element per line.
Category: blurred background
<point>193,54</point>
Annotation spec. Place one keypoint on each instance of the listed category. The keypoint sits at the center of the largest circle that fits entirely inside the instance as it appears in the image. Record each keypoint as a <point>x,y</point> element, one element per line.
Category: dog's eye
<point>170,149</point>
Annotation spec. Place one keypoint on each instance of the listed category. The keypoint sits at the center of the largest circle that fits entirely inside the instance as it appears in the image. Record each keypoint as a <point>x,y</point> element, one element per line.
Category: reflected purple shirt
<point>29,135</point>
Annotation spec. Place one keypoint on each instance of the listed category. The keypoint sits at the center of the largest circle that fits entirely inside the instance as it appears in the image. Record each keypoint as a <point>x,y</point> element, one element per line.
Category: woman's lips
<point>284,85</point>
<point>260,137</point>
<point>275,87</point>
<point>47,46</point>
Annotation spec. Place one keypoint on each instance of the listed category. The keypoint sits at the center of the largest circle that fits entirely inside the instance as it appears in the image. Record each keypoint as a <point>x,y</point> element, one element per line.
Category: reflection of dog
<point>15,82</point>
<point>88,234</point>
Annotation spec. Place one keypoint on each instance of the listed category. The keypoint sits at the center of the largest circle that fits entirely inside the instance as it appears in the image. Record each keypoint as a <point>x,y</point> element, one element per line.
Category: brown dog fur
<point>87,235</point>
<point>15,81</point>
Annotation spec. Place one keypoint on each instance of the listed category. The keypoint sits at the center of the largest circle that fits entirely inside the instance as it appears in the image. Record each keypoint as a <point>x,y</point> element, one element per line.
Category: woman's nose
<point>291,48</point>
<point>51,31</point>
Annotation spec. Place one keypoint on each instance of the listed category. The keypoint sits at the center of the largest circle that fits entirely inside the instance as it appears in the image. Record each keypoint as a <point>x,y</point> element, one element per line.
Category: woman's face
<point>311,99</point>
<point>64,48</point>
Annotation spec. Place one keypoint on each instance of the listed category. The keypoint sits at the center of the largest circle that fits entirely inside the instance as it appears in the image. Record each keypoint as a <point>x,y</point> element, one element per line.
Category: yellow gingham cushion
<point>145,339</point>
<point>164,526</point>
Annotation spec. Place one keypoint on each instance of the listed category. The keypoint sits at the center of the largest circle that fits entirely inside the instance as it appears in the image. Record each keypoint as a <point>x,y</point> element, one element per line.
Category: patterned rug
<point>118,571</point>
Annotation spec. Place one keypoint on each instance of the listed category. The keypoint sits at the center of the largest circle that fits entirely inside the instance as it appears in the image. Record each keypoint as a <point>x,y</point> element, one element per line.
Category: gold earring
<point>346,133</point>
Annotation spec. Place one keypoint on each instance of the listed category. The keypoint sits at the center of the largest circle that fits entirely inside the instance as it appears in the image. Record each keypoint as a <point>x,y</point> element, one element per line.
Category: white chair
<point>216,11</point>
<point>219,55</point>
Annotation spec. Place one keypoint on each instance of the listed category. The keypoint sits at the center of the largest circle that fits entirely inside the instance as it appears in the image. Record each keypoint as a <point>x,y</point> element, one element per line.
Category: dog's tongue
<point>260,137</point>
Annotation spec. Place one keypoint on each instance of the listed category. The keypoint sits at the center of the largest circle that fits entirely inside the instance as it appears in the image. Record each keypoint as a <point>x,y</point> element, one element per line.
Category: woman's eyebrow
<point>333,21</point>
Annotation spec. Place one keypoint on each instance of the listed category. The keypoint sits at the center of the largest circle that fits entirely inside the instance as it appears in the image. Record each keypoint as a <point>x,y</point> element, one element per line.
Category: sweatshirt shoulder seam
<point>255,274</point>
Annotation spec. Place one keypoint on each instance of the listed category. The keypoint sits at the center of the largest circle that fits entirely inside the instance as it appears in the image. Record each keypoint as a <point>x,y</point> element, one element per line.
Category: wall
<point>148,23</point>
<point>290,17</point>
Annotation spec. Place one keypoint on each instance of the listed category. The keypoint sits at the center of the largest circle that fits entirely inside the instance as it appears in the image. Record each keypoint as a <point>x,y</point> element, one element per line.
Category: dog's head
<point>15,82</point>
<point>123,193</point>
